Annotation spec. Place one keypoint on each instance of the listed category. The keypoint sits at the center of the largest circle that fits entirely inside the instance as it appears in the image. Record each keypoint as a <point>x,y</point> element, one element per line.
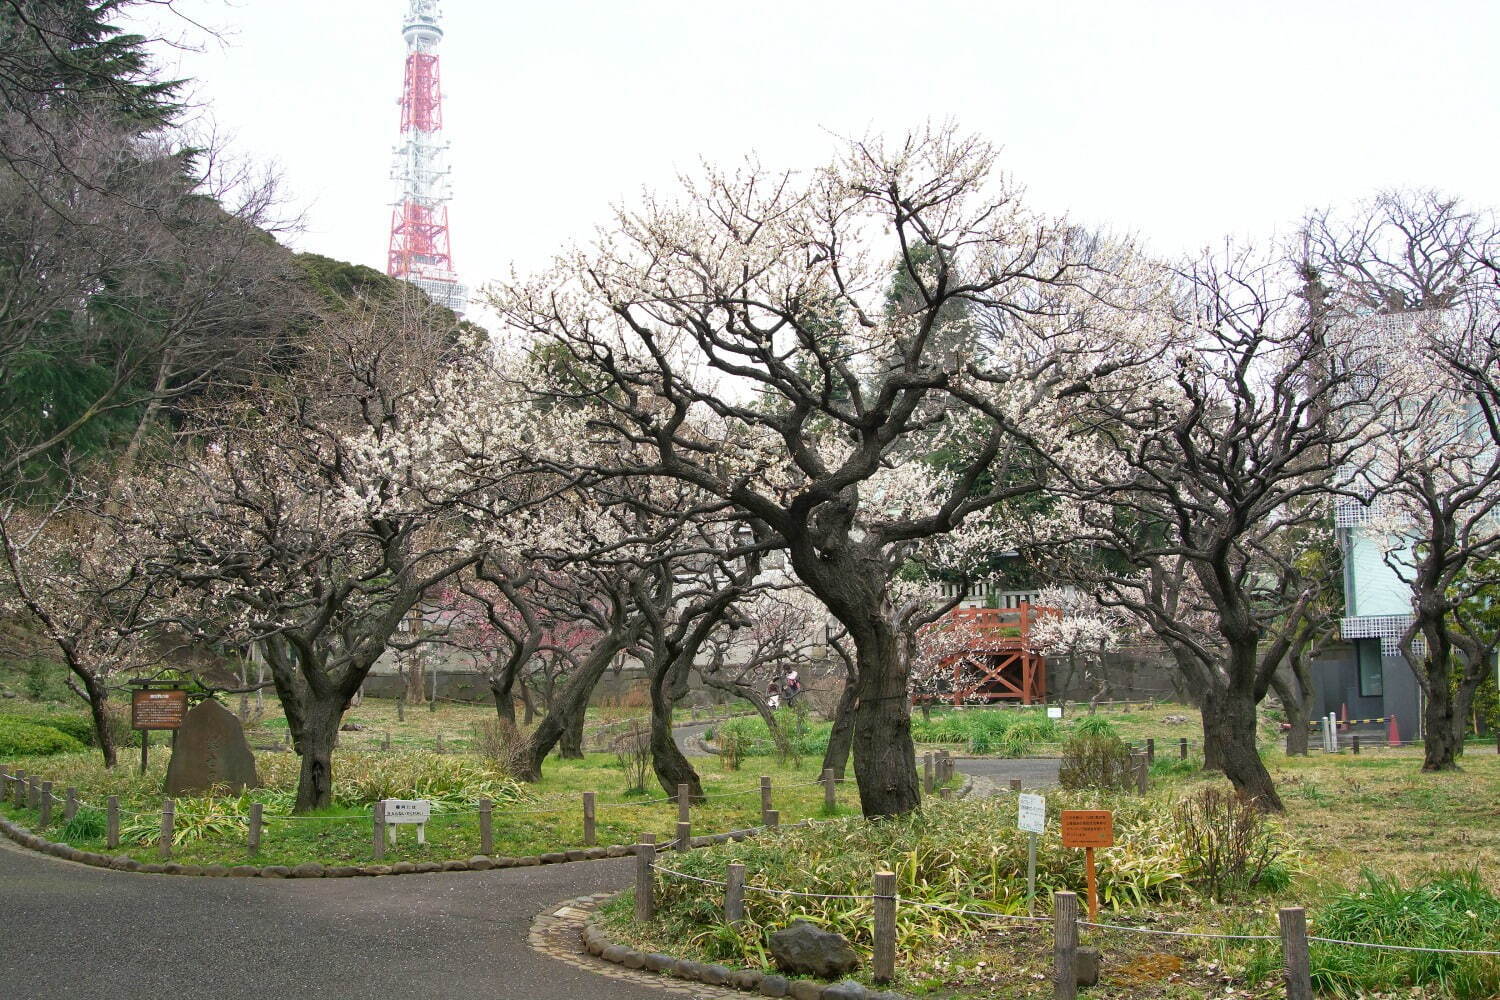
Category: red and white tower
<point>419,251</point>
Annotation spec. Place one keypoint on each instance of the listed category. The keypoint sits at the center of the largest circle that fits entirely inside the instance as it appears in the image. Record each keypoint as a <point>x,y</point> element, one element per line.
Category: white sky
<point>1180,120</point>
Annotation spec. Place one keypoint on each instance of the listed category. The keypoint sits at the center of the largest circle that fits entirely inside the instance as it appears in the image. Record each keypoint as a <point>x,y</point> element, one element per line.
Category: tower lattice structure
<point>420,249</point>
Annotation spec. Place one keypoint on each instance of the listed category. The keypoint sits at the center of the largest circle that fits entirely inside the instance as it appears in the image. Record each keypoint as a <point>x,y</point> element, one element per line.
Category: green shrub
<point>1228,843</point>
<point>1094,725</point>
<point>22,738</point>
<point>1090,761</point>
<point>86,824</point>
<point>80,727</point>
<point>1451,910</point>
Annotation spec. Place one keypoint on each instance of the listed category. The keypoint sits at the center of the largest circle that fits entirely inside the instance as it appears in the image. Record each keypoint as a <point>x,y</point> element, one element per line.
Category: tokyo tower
<point>419,249</point>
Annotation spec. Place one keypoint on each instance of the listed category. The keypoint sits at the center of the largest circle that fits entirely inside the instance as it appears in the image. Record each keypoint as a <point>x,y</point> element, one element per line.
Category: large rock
<point>803,949</point>
<point>209,750</point>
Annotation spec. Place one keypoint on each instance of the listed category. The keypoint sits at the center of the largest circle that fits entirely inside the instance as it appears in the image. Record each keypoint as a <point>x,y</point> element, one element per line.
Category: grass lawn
<point>528,819</point>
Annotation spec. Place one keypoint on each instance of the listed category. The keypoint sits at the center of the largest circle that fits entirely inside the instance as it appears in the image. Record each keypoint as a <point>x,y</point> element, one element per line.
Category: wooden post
<point>830,796</point>
<point>401,708</point>
<point>145,748</point>
<point>773,818</point>
<point>34,791</point>
<point>1064,945</point>
<point>486,827</point>
<point>684,804</point>
<point>439,747</point>
<point>1140,774</point>
<point>927,772</point>
<point>684,835</point>
<point>1354,743</point>
<point>386,744</point>
<point>19,788</point>
<point>1092,883</point>
<point>45,820</point>
<point>1150,749</point>
<point>1296,969</point>
<point>645,882</point>
<point>883,962</point>
<point>252,841</point>
<point>734,893</point>
<point>164,849</point>
<point>765,799</point>
<point>1015,784</point>
<point>112,821</point>
<point>588,819</point>
<point>377,831</point>
<point>70,805</point>
<point>1182,748</point>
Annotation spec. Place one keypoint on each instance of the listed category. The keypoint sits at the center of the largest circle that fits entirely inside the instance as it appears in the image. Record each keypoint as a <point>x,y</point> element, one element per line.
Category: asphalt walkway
<point>70,931</point>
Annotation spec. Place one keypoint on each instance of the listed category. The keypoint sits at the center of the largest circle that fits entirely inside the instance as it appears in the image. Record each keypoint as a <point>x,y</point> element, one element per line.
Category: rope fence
<point>885,902</point>
<point>31,791</point>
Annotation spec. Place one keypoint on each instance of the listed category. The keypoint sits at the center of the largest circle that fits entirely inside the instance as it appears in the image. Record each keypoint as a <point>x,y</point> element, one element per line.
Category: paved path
<point>994,773</point>
<point>68,930</point>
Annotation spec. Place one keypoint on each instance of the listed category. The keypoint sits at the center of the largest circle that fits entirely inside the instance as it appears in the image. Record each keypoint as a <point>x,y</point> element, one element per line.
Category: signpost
<point>1088,829</point>
<point>1031,816</point>
<point>155,708</point>
<point>416,811</point>
<point>1054,711</point>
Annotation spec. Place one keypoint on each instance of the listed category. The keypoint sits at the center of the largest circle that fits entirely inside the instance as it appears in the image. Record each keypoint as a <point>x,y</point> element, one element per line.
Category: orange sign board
<point>157,709</point>
<point>1088,828</point>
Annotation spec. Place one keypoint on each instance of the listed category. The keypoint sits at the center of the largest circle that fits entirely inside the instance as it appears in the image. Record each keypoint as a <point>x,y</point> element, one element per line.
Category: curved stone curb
<point>312,869</point>
<point>655,965</point>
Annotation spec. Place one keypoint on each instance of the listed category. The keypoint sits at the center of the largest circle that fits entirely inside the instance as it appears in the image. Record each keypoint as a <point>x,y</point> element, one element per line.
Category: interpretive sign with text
<point>1088,828</point>
<point>407,810</point>
<point>157,709</point>
<point>1031,814</point>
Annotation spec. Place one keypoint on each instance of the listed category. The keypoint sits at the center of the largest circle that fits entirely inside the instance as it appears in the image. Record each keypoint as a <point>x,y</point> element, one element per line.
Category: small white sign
<point>407,810</point>
<point>1032,814</point>
<point>1054,711</point>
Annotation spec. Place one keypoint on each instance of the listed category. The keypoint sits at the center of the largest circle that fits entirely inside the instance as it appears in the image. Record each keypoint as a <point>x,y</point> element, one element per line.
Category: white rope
<point>756,888</point>
<point>977,913</point>
<point>1402,947</point>
<point>1191,934</point>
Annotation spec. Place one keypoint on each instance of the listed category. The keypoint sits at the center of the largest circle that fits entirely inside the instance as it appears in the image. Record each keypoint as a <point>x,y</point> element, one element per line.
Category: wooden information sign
<point>157,709</point>
<point>416,811</point>
<point>1088,829</point>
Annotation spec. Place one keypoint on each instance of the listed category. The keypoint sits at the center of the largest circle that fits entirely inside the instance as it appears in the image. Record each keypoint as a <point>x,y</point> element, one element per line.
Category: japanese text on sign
<point>407,810</point>
<point>1088,828</point>
<point>157,709</point>
<point>1031,814</point>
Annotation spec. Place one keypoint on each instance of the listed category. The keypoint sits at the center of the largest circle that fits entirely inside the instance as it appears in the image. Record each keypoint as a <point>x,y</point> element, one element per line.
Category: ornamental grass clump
<point>448,782</point>
<point>1451,910</point>
<point>964,855</point>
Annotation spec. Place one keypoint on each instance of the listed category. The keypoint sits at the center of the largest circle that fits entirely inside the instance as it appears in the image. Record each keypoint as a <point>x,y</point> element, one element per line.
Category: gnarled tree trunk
<point>841,736</point>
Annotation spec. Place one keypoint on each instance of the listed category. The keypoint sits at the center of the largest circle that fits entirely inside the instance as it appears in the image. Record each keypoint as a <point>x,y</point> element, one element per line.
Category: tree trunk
<point>505,705</point>
<point>1442,728</point>
<point>98,709</point>
<point>416,693</point>
<point>885,762</point>
<point>1296,698</point>
<point>841,736</point>
<point>570,746</point>
<point>315,728</point>
<point>567,709</point>
<point>667,760</point>
<point>1229,726</point>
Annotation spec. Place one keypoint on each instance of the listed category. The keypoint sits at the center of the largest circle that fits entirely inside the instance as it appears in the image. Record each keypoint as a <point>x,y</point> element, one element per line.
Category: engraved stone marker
<point>210,750</point>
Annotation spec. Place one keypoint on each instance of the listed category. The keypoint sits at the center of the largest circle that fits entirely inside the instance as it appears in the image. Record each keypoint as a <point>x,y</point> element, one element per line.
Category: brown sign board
<point>1088,828</point>
<point>157,709</point>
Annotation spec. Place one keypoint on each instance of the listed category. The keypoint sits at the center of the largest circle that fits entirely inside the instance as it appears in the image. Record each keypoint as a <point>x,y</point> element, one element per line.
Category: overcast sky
<point>1179,121</point>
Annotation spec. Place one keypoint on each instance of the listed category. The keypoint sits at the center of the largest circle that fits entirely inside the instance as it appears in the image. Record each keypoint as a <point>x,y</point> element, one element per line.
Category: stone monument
<point>209,750</point>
